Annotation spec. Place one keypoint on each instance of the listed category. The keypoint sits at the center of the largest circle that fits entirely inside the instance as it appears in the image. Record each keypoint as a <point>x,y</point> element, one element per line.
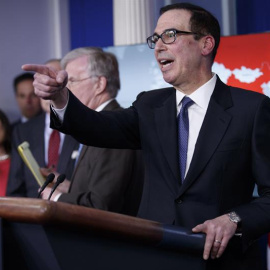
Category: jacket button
<point>179,201</point>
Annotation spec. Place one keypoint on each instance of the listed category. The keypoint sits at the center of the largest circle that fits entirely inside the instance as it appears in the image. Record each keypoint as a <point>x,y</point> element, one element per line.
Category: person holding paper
<point>37,133</point>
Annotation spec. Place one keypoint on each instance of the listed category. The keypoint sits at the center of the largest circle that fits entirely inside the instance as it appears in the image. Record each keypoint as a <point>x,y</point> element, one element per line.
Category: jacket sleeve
<point>113,129</point>
<point>256,215</point>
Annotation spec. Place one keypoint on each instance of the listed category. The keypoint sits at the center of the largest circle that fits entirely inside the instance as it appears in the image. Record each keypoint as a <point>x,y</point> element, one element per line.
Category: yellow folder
<point>28,158</point>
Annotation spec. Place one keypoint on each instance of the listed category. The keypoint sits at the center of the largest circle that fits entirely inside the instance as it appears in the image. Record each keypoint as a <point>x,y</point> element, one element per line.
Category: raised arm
<point>50,84</point>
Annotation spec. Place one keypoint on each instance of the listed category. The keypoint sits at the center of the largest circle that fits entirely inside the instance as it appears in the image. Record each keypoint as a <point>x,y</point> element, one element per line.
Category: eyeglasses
<point>167,37</point>
<point>74,81</point>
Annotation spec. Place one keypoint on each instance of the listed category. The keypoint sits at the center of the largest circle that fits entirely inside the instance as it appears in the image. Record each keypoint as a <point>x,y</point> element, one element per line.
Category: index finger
<point>42,69</point>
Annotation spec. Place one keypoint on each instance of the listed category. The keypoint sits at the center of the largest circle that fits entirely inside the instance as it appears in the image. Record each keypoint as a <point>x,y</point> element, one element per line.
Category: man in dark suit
<point>21,182</point>
<point>206,181</point>
<point>108,179</point>
<point>36,132</point>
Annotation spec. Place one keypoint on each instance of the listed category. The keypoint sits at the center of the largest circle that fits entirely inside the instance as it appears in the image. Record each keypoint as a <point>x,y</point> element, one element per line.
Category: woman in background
<point>5,150</point>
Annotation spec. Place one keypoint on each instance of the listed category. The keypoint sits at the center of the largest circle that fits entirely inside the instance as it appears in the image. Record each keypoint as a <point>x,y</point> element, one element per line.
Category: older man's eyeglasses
<point>73,81</point>
<point>167,37</point>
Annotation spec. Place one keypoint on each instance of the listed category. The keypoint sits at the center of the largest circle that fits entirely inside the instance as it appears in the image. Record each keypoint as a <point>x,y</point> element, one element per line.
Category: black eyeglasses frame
<point>149,40</point>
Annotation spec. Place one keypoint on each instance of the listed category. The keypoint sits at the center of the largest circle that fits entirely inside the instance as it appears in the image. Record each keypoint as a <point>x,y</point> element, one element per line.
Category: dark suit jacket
<point>108,179</point>
<point>17,122</point>
<point>231,154</point>
<point>21,182</point>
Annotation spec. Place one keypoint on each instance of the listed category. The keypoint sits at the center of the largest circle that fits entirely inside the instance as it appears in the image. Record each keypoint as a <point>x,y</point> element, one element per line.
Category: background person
<point>108,179</point>
<point>28,102</point>
<point>5,151</point>
<point>37,133</point>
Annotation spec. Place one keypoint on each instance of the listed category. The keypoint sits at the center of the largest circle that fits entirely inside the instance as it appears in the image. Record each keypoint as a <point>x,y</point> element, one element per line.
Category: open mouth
<point>165,63</point>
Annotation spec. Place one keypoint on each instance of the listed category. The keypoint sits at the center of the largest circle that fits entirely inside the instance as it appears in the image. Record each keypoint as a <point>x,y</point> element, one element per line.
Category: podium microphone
<point>49,179</point>
<point>59,180</point>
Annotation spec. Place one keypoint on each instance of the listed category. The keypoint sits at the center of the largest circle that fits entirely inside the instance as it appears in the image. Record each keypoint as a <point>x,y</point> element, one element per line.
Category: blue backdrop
<point>91,23</point>
<point>253,16</point>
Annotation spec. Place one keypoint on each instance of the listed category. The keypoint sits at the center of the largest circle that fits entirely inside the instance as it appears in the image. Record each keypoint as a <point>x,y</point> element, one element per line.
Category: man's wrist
<point>60,102</point>
<point>59,113</point>
<point>235,218</point>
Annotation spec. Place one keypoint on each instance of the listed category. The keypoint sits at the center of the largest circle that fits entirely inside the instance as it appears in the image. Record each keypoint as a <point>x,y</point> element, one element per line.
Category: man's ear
<point>102,84</point>
<point>208,44</point>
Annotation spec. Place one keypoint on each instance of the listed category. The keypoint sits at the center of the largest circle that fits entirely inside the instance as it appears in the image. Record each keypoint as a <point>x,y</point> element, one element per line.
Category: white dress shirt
<point>196,113</point>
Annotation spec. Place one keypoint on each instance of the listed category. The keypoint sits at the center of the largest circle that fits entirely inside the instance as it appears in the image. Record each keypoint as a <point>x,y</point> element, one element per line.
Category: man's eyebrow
<point>168,29</point>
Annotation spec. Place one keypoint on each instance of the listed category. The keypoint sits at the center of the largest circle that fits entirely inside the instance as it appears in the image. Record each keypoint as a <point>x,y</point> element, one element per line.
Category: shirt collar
<point>24,119</point>
<point>103,105</point>
<point>202,95</point>
<point>47,119</point>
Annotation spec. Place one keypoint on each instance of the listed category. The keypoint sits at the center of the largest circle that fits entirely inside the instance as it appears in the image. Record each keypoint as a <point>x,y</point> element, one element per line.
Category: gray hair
<point>100,64</point>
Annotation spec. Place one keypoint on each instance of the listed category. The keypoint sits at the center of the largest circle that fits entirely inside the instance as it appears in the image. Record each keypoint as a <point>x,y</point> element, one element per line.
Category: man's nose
<point>160,45</point>
<point>29,99</point>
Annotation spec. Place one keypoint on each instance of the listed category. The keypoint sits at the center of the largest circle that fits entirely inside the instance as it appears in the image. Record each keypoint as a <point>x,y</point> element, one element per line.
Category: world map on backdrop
<point>244,61</point>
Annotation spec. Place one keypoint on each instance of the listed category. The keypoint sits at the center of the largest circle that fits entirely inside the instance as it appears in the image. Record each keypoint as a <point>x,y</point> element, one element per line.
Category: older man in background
<point>108,179</point>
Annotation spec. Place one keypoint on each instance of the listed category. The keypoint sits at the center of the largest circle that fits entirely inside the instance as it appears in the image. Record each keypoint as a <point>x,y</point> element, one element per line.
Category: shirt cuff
<point>57,197</point>
<point>60,113</point>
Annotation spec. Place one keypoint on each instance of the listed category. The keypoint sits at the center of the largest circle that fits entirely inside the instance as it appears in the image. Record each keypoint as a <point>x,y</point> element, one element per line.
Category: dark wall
<point>252,16</point>
<point>91,23</point>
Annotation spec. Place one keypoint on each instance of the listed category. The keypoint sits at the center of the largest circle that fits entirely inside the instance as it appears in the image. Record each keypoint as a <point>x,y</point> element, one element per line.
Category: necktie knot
<point>186,102</point>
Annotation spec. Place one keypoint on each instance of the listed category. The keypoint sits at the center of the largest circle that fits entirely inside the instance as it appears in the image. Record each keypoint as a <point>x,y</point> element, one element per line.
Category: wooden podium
<point>39,234</point>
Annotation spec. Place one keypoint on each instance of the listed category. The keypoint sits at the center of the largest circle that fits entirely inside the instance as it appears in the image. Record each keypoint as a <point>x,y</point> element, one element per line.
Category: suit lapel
<point>166,126</point>
<point>113,105</point>
<point>68,147</point>
<point>81,155</point>
<point>212,131</point>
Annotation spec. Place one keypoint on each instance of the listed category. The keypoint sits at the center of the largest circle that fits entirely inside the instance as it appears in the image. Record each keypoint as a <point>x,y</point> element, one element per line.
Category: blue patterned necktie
<point>183,129</point>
